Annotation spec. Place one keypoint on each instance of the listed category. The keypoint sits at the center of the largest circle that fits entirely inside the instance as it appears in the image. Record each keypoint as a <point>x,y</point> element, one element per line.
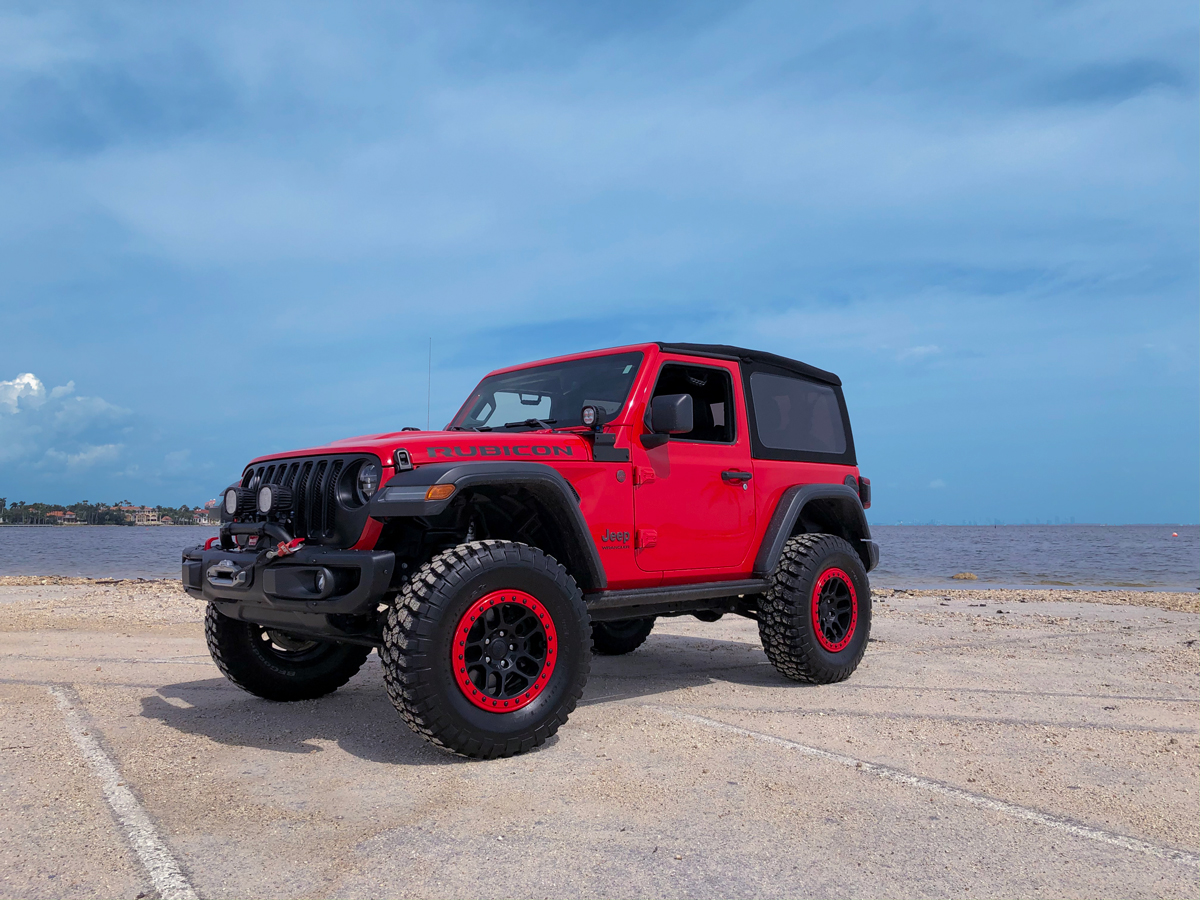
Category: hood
<point>433,446</point>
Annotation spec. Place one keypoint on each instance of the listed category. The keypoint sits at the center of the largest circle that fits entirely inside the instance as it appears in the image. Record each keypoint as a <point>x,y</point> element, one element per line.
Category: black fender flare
<point>404,496</point>
<point>843,501</point>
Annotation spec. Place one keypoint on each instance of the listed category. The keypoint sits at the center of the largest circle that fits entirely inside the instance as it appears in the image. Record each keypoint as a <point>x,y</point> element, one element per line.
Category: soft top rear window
<point>553,393</point>
<point>797,415</point>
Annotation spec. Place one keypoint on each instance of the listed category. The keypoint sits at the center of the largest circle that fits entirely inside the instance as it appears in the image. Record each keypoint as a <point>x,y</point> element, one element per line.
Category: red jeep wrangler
<point>566,506</point>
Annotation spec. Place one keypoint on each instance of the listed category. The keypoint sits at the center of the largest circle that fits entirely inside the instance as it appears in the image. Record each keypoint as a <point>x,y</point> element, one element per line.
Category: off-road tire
<point>618,638</point>
<point>265,669</point>
<point>419,643</point>
<point>786,619</point>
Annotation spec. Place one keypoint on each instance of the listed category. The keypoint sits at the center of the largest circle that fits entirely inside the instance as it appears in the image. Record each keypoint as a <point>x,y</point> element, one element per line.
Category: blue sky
<point>233,229</point>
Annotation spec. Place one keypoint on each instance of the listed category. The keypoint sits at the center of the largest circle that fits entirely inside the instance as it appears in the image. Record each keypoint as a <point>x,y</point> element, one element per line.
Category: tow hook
<point>286,549</point>
<point>227,573</point>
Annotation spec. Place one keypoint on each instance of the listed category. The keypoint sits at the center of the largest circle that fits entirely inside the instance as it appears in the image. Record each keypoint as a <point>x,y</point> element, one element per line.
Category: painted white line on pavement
<point>160,864</point>
<point>1058,823</point>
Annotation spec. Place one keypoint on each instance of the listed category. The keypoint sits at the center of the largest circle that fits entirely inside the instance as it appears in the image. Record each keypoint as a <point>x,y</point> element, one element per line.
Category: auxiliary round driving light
<point>589,416</point>
<point>238,501</point>
<point>274,498</point>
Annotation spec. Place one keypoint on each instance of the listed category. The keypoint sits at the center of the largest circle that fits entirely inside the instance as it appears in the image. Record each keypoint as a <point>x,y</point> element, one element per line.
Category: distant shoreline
<point>106,525</point>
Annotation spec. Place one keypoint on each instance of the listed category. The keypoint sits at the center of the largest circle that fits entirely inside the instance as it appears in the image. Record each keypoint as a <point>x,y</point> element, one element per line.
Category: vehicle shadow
<point>361,720</point>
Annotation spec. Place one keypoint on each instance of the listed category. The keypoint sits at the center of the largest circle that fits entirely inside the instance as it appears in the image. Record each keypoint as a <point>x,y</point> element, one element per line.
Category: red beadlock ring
<point>834,642</point>
<point>497,600</point>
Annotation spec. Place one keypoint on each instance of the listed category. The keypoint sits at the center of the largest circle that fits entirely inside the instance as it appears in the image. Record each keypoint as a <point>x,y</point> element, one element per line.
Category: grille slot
<point>300,513</point>
<point>330,504</point>
<point>316,497</point>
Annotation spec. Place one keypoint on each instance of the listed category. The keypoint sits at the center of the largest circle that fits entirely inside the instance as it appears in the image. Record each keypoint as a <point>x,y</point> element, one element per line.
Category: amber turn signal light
<point>439,492</point>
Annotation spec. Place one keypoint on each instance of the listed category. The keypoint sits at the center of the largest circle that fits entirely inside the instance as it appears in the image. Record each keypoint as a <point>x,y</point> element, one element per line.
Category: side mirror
<point>671,414</point>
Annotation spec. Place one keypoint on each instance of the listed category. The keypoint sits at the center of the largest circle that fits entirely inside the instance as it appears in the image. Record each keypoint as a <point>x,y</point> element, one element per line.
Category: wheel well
<point>492,512</point>
<point>832,515</point>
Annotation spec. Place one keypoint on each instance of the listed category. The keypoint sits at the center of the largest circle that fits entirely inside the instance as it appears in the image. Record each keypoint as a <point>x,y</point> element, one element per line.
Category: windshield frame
<point>536,422</point>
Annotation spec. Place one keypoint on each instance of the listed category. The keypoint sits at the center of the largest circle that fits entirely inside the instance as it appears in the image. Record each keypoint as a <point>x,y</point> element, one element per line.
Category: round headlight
<point>368,479</point>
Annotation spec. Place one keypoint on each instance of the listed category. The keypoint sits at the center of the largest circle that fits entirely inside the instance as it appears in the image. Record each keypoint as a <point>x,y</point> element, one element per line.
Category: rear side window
<point>797,415</point>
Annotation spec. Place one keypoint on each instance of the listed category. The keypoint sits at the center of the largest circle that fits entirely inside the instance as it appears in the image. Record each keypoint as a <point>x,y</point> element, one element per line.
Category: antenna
<point>429,385</point>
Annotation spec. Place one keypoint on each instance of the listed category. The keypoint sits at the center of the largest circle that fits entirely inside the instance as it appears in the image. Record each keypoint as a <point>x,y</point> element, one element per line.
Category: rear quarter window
<point>793,414</point>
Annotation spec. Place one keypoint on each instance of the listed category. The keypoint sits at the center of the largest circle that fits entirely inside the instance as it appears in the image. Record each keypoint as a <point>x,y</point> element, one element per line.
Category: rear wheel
<point>815,618</point>
<point>617,638</point>
<point>277,665</point>
<point>485,652</point>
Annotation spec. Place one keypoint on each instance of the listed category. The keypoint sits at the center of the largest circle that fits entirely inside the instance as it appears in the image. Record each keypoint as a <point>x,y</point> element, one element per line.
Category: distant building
<point>140,515</point>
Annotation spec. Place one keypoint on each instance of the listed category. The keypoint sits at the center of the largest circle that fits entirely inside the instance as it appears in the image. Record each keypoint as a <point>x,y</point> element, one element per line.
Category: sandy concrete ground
<point>1017,743</point>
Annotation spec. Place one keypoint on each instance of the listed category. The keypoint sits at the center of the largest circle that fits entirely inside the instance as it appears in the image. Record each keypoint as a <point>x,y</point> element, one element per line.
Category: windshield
<point>552,394</point>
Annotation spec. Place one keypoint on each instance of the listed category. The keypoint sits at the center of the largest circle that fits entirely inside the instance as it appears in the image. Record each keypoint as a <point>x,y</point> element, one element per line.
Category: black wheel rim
<point>505,648</point>
<point>834,610</point>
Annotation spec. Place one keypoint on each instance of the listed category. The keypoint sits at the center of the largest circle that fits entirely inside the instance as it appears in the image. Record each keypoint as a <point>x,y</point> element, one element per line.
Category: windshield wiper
<point>467,428</point>
<point>533,423</point>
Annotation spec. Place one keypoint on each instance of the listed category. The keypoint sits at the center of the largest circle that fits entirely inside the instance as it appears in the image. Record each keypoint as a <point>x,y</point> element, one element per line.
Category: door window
<point>712,400</point>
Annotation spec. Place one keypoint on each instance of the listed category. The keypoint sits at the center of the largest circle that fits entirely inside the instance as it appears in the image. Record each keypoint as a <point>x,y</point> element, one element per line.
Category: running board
<point>609,606</point>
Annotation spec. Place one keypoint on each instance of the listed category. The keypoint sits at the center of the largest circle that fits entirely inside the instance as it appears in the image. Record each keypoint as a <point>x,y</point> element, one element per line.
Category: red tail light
<point>864,491</point>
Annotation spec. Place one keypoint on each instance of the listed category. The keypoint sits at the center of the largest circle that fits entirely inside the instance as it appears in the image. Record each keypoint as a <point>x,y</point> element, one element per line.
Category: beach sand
<point>1033,743</point>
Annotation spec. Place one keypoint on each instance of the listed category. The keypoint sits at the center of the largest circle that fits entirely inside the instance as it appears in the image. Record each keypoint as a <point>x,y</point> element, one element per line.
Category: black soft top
<point>725,351</point>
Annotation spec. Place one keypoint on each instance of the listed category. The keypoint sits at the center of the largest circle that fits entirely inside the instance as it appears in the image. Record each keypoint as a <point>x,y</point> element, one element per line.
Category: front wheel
<point>275,665</point>
<point>486,651</point>
<point>815,618</point>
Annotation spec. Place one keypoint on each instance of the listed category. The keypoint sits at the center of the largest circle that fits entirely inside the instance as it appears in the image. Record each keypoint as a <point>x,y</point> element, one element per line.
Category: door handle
<point>733,476</point>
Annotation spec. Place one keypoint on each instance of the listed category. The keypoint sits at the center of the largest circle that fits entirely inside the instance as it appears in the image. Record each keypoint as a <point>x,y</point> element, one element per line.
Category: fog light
<point>322,581</point>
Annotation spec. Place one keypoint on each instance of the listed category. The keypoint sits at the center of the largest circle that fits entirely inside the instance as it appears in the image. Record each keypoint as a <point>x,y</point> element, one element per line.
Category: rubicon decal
<point>618,538</point>
<point>522,450</point>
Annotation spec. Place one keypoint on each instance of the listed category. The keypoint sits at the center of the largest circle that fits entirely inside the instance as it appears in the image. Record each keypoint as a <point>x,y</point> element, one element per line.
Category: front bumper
<point>286,592</point>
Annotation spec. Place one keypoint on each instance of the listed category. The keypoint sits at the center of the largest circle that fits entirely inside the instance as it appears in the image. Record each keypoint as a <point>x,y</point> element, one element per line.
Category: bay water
<point>1140,557</point>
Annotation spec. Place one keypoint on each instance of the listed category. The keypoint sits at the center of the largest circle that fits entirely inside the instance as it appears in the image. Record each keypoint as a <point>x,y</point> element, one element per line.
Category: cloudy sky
<point>233,229</point>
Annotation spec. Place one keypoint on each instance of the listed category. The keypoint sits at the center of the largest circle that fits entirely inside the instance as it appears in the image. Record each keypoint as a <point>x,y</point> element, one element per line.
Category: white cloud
<point>23,391</point>
<point>55,427</point>
<point>88,455</point>
<point>918,352</point>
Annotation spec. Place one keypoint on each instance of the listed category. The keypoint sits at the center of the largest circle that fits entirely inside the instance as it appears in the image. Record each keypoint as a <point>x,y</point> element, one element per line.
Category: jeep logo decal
<point>615,537</point>
<point>522,450</point>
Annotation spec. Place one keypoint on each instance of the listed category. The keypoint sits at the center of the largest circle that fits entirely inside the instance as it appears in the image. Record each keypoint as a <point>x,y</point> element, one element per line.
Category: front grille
<point>326,508</point>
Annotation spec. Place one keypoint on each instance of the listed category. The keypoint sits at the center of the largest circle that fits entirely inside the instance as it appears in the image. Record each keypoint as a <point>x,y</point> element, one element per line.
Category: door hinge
<point>644,475</point>
<point>646,538</point>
